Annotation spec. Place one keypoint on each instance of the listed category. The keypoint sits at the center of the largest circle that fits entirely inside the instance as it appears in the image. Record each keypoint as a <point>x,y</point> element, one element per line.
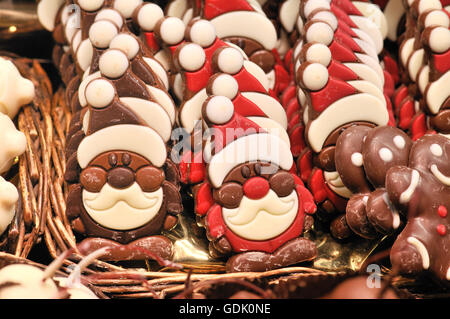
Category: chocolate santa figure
<point>254,208</point>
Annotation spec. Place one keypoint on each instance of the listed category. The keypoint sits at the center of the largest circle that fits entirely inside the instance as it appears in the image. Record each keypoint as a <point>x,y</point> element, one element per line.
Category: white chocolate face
<point>122,209</point>
<point>15,90</point>
<point>264,218</point>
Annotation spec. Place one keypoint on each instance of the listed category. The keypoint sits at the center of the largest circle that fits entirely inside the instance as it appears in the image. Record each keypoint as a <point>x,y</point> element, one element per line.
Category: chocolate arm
<point>173,198</point>
<point>73,202</point>
<point>401,185</point>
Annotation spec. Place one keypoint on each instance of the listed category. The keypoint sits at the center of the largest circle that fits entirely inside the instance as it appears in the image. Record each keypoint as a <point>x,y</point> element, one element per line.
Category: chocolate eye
<point>257,169</point>
<point>229,195</point>
<point>245,171</point>
<point>112,160</point>
<point>282,183</point>
<point>126,159</point>
<point>93,178</point>
<point>150,178</point>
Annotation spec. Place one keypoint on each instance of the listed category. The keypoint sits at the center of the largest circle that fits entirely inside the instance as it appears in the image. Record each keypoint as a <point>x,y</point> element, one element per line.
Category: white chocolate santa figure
<point>15,90</point>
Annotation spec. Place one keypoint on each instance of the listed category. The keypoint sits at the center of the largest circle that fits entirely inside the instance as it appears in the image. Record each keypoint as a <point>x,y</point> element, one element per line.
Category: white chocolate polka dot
<point>99,93</point>
<point>148,16</point>
<point>203,33</point>
<point>328,17</point>
<point>319,53</point>
<point>385,154</point>
<point>320,32</point>
<point>111,15</point>
<point>437,17</point>
<point>172,30</point>
<point>357,159</point>
<point>191,57</point>
<point>399,141</point>
<point>312,5</point>
<point>127,43</point>
<point>439,40</point>
<point>429,4</point>
<point>126,7</point>
<point>219,110</point>
<point>436,150</point>
<point>230,61</point>
<point>315,76</point>
<point>113,63</point>
<point>225,85</point>
<point>102,32</point>
<point>90,5</point>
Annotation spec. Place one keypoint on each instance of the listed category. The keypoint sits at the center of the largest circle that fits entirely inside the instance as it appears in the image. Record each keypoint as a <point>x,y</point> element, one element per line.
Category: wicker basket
<point>31,171</point>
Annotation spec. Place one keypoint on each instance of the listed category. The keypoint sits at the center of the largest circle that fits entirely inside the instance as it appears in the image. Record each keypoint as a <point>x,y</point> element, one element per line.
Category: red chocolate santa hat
<point>233,18</point>
<point>335,102</point>
<point>239,139</point>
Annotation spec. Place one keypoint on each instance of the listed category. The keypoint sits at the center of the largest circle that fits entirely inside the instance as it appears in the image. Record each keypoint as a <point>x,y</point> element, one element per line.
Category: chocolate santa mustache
<point>108,197</point>
<point>249,209</point>
<point>122,209</point>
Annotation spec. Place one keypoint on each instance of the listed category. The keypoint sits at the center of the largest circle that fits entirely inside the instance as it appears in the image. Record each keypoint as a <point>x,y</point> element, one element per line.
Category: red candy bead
<point>441,229</point>
<point>256,188</point>
<point>442,211</point>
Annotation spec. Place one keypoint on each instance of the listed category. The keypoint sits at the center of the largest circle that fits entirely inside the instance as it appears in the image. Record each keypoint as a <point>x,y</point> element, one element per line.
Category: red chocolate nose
<point>256,188</point>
